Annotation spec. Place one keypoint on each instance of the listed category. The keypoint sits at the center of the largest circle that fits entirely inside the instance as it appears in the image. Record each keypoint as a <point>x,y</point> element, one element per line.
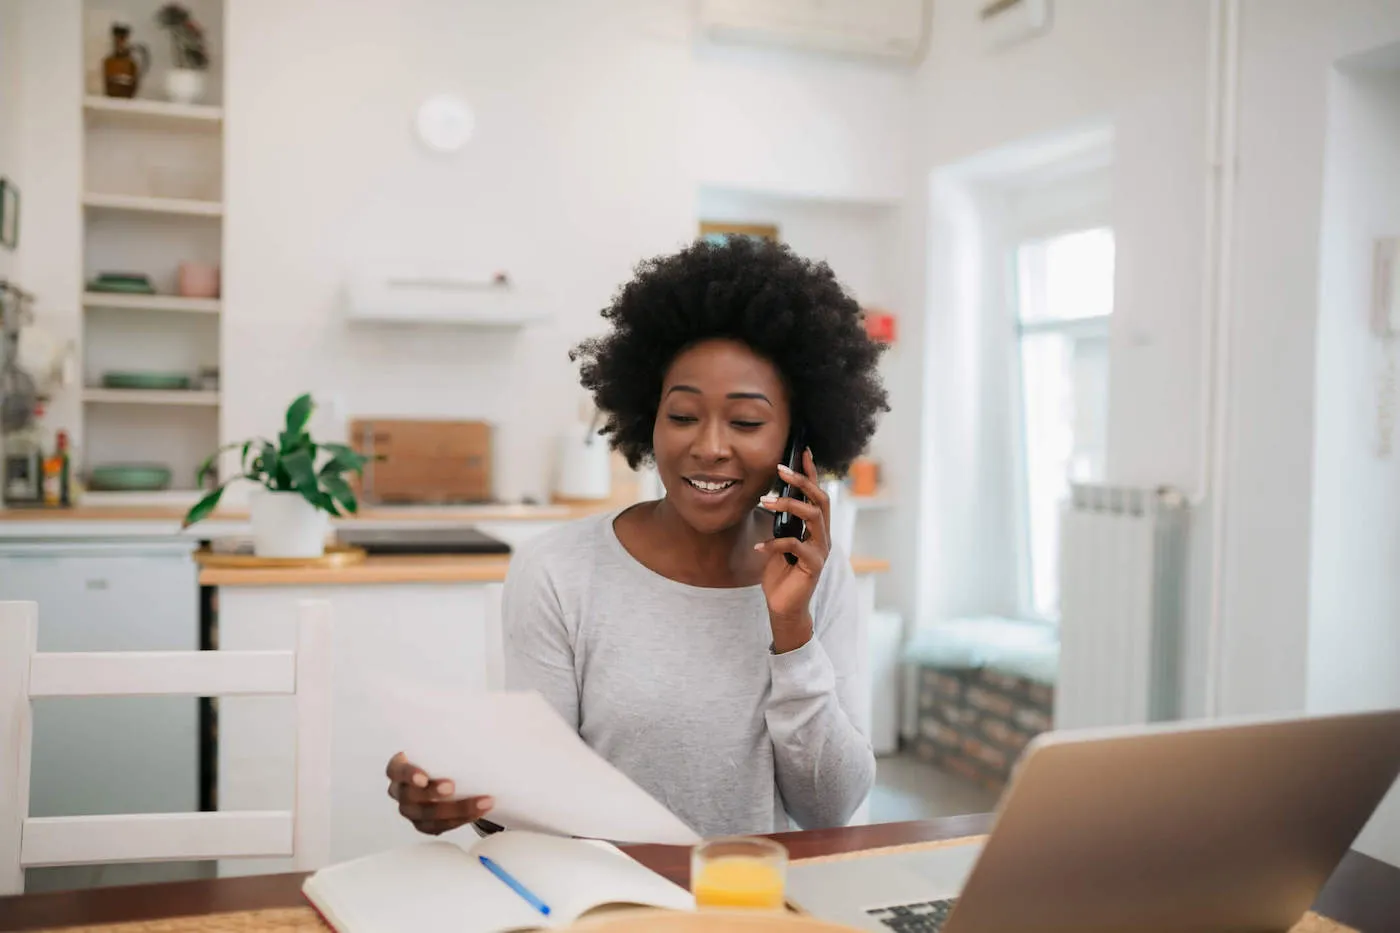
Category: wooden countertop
<point>407,513</point>
<point>428,568</point>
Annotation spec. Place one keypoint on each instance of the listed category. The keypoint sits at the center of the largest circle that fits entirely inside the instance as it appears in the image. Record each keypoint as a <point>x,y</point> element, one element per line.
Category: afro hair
<point>789,310</point>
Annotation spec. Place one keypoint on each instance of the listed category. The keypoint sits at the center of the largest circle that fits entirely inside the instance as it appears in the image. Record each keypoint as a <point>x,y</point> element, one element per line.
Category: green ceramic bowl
<point>141,380</point>
<point>129,477</point>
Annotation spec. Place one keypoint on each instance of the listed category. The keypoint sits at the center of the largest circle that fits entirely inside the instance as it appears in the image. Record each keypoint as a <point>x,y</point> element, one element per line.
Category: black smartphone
<point>786,525</point>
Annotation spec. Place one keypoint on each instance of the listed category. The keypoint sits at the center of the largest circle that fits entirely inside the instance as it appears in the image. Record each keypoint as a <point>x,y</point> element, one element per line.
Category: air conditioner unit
<point>890,29</point>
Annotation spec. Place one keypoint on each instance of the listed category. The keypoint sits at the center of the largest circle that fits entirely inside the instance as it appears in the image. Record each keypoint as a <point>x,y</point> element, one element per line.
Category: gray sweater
<point>677,687</point>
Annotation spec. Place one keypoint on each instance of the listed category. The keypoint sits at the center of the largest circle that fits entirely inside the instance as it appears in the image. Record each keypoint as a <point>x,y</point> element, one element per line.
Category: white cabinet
<point>124,755</point>
<point>392,642</point>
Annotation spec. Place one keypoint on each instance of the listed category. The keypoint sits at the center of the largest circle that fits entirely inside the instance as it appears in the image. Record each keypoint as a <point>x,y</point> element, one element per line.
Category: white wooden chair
<point>302,834</point>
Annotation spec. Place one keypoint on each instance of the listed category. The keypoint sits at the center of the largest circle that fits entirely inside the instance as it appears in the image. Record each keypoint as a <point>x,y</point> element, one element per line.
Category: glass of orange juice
<point>739,872</point>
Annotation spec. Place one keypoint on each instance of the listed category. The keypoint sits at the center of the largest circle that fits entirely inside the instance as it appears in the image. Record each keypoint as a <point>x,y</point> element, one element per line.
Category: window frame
<point>1041,222</point>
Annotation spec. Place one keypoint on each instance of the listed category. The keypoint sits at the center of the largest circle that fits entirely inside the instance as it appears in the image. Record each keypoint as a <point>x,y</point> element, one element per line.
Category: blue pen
<point>514,885</point>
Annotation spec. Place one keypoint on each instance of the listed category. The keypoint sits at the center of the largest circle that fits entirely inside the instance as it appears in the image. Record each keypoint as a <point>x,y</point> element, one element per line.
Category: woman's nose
<point>711,442</point>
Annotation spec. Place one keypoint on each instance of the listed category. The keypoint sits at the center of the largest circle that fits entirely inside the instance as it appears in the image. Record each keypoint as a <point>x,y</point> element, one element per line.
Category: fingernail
<point>768,500</point>
<point>420,780</point>
<point>783,469</point>
<point>486,803</point>
<point>758,546</point>
<point>444,787</point>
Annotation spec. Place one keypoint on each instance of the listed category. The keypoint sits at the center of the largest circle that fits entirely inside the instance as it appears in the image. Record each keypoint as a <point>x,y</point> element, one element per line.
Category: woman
<point>675,636</point>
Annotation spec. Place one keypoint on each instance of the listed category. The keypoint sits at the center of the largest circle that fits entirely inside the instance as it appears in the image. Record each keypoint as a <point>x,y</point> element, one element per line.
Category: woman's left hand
<point>788,588</point>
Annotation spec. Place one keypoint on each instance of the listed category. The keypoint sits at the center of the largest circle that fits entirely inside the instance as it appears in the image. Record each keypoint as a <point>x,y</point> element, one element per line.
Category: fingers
<point>810,558</point>
<point>466,810</point>
<point>807,481</point>
<point>808,512</point>
<point>817,494</point>
<point>428,803</point>
<point>411,793</point>
<point>403,771</point>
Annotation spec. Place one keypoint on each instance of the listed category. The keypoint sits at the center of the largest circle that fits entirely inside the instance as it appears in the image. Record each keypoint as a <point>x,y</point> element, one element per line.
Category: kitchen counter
<point>392,513</point>
<point>427,568</point>
<point>155,521</point>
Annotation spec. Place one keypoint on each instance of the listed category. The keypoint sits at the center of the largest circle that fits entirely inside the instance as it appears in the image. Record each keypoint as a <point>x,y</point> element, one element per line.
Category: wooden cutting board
<point>427,461</point>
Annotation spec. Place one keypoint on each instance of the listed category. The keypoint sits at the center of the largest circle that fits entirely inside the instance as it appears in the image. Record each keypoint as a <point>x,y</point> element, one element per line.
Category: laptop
<point>1226,826</point>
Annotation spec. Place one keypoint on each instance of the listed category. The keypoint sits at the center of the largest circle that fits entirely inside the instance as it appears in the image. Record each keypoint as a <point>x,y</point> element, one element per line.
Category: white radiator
<point>1122,590</point>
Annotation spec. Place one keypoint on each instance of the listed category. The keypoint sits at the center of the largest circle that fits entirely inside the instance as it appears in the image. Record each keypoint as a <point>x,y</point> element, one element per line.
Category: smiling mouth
<point>711,487</point>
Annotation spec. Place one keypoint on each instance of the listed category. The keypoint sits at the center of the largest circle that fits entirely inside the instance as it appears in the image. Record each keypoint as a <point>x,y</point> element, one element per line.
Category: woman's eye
<point>682,419</point>
<point>747,425</point>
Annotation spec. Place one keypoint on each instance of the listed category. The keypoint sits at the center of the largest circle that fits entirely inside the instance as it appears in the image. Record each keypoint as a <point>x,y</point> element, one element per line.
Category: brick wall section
<point>975,723</point>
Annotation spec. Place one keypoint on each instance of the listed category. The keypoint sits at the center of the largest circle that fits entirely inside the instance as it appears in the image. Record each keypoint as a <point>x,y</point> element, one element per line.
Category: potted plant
<point>184,82</point>
<point>302,482</point>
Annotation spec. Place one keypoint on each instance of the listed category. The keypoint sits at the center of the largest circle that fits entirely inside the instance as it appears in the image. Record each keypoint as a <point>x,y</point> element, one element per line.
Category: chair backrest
<point>25,675</point>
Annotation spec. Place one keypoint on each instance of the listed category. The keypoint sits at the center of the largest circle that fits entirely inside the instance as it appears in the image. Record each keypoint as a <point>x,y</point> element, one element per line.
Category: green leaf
<point>340,491</point>
<point>201,509</point>
<point>298,414</point>
<point>270,470</point>
<point>343,460</point>
<point>319,499</point>
<point>299,467</point>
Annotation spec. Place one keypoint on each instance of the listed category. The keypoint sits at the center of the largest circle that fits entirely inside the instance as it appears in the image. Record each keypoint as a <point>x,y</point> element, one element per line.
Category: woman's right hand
<point>428,803</point>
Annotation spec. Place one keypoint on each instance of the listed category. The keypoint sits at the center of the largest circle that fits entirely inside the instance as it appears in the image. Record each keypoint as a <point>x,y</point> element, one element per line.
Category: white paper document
<point>515,747</point>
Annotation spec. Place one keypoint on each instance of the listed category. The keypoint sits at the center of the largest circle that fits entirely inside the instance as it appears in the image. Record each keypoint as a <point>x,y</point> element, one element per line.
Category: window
<point>1063,298</point>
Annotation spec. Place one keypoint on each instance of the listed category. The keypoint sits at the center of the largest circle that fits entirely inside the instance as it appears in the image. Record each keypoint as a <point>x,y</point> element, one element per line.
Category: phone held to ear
<point>786,525</point>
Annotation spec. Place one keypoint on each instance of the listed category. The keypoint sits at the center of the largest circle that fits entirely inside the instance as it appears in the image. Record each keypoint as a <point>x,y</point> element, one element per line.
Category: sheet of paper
<point>515,748</point>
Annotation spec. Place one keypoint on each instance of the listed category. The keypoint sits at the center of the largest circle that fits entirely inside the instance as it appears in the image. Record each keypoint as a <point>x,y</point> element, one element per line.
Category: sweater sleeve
<point>538,646</point>
<point>815,714</point>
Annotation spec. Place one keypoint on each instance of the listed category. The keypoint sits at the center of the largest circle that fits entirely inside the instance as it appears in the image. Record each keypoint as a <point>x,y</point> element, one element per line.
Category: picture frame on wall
<point>717,231</point>
<point>9,214</point>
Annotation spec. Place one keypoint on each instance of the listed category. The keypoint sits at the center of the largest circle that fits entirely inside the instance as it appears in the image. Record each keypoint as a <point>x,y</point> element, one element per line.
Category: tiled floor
<point>909,789</point>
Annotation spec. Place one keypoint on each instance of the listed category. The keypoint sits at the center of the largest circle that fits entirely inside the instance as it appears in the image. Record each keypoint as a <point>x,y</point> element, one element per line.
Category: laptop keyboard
<point>925,917</point>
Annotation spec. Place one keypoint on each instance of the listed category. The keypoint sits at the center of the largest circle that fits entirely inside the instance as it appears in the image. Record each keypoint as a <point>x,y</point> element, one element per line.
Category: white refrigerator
<point>110,755</point>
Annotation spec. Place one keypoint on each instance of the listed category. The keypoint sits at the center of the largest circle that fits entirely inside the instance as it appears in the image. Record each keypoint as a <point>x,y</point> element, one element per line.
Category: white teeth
<point>706,486</point>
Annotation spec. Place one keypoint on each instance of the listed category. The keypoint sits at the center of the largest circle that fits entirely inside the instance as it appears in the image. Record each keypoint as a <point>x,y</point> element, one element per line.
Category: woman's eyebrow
<point>757,396</point>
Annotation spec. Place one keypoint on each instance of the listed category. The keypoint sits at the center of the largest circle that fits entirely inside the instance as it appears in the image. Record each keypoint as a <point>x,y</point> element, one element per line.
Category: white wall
<point>1288,53</point>
<point>50,157</point>
<point>1353,647</point>
<point>801,125</point>
<point>585,161</point>
<point>10,83</point>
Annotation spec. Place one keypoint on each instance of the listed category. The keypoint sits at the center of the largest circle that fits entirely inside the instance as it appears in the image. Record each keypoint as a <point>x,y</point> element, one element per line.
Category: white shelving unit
<point>95,395</point>
<point>151,198</point>
<point>152,114</point>
<point>152,205</point>
<point>173,303</point>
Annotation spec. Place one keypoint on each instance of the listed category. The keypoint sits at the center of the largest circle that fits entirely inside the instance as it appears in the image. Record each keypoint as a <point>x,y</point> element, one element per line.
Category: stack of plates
<point>145,380</point>
<point>134,283</point>
<point>129,477</point>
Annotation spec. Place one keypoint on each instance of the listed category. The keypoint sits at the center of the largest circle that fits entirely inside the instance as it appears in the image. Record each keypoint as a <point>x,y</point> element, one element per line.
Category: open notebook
<point>440,886</point>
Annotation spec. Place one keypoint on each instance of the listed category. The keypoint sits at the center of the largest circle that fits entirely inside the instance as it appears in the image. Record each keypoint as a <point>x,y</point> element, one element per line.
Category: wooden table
<point>1363,893</point>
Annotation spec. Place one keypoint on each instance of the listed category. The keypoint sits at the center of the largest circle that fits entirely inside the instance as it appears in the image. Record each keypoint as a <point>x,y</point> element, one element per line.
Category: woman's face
<point>721,429</point>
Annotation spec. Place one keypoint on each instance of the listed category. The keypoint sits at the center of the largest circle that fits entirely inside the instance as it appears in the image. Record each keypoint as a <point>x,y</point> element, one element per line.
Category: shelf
<point>148,205</point>
<point>100,396</point>
<point>153,114</point>
<point>124,301</point>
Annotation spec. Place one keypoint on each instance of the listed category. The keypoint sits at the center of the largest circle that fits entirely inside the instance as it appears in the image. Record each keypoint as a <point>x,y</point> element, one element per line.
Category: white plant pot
<point>286,525</point>
<point>185,85</point>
